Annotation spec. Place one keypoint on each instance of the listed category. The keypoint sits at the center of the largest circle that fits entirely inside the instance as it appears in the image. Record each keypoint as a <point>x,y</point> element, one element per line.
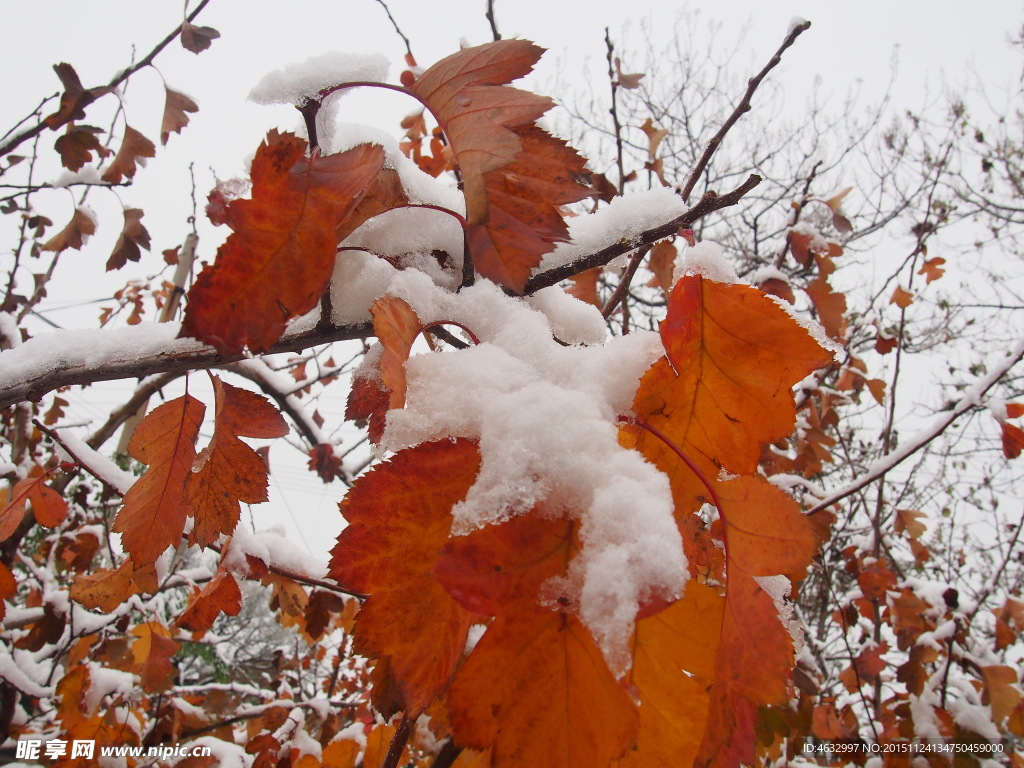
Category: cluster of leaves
<point>422,647</point>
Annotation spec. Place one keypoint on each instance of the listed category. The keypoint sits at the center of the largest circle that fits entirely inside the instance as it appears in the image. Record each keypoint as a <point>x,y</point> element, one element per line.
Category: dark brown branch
<point>709,203</point>
<point>398,742</point>
<point>491,20</point>
<point>741,108</point>
<point>622,289</point>
<point>36,387</point>
<point>408,48</point>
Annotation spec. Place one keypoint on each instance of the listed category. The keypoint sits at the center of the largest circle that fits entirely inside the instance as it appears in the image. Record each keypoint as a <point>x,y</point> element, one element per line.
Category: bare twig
<point>408,48</point>
<point>490,20</point>
<point>614,111</point>
<point>741,108</point>
<point>709,203</point>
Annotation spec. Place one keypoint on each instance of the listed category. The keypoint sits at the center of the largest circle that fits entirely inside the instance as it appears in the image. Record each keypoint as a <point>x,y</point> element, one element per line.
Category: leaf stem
<point>705,480</point>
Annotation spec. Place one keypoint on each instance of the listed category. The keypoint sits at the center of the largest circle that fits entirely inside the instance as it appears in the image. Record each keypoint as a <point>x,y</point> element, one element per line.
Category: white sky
<point>848,42</point>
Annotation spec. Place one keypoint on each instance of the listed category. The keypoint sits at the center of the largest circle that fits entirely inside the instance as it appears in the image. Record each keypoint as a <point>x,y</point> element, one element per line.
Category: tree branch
<point>709,203</point>
<point>971,400</point>
<point>741,108</point>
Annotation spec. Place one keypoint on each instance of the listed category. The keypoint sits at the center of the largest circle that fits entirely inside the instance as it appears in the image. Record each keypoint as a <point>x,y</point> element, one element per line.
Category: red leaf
<point>325,462</point>
<point>1013,440</point>
<point>228,471</point>
<point>220,595</point>
<point>514,174</point>
<point>399,517</point>
<point>48,506</point>
<point>280,256</point>
<point>154,511</point>
<point>153,649</point>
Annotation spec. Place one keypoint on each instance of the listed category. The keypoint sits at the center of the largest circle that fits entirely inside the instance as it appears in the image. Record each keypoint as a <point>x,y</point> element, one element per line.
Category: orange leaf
<point>909,521</point>
<point>280,257</point>
<point>537,690</point>
<point>153,650</point>
<point>515,175</point>
<point>584,286</point>
<point>901,298</point>
<point>134,147</point>
<point>724,387</point>
<point>176,105</point>
<point>397,327</point>
<point>662,262</point>
<point>220,595</point>
<point>877,389</point>
<point>105,590</point>
<point>48,506</point>
<point>673,666</point>
<point>384,193</point>
<point>1014,410</point>
<point>228,471</point>
<point>1000,692</point>
<point>74,235</point>
<point>1013,440</point>
<point>326,463</point>
<point>154,511</point>
<point>654,136</point>
<point>399,517</point>
<point>932,269</point>
<point>133,237</point>
<point>498,566</point>
<point>831,307</point>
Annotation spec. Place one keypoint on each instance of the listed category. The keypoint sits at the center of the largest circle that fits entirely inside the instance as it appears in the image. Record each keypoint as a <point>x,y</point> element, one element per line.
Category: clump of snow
<point>624,219</point>
<point>545,417</point>
<point>104,681</point>
<point>301,82</point>
<point>796,21</point>
<point>571,320</point>
<point>706,259</point>
<point>359,279</point>
<point>87,349</point>
<point>273,548</point>
<point>298,82</point>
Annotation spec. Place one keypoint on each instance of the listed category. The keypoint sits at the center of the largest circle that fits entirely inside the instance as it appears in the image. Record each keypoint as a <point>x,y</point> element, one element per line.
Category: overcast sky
<point>849,44</point>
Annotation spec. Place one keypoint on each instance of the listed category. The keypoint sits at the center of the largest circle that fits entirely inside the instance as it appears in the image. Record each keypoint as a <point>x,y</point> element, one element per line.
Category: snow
<point>16,674</point>
<point>104,681</point>
<point>545,416</point>
<point>297,82</point>
<point>272,548</point>
<point>571,320</point>
<point>88,349</point>
<point>706,259</point>
<point>624,219</point>
<point>96,463</point>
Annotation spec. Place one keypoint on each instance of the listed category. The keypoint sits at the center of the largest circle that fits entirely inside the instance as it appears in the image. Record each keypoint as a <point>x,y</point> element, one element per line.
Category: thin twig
<point>408,48</point>
<point>741,108</point>
<point>709,203</point>
<point>614,111</point>
<point>490,20</point>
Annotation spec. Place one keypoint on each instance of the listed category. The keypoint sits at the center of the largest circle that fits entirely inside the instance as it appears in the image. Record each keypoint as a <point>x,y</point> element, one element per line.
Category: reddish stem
<point>682,455</point>
<point>440,323</point>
